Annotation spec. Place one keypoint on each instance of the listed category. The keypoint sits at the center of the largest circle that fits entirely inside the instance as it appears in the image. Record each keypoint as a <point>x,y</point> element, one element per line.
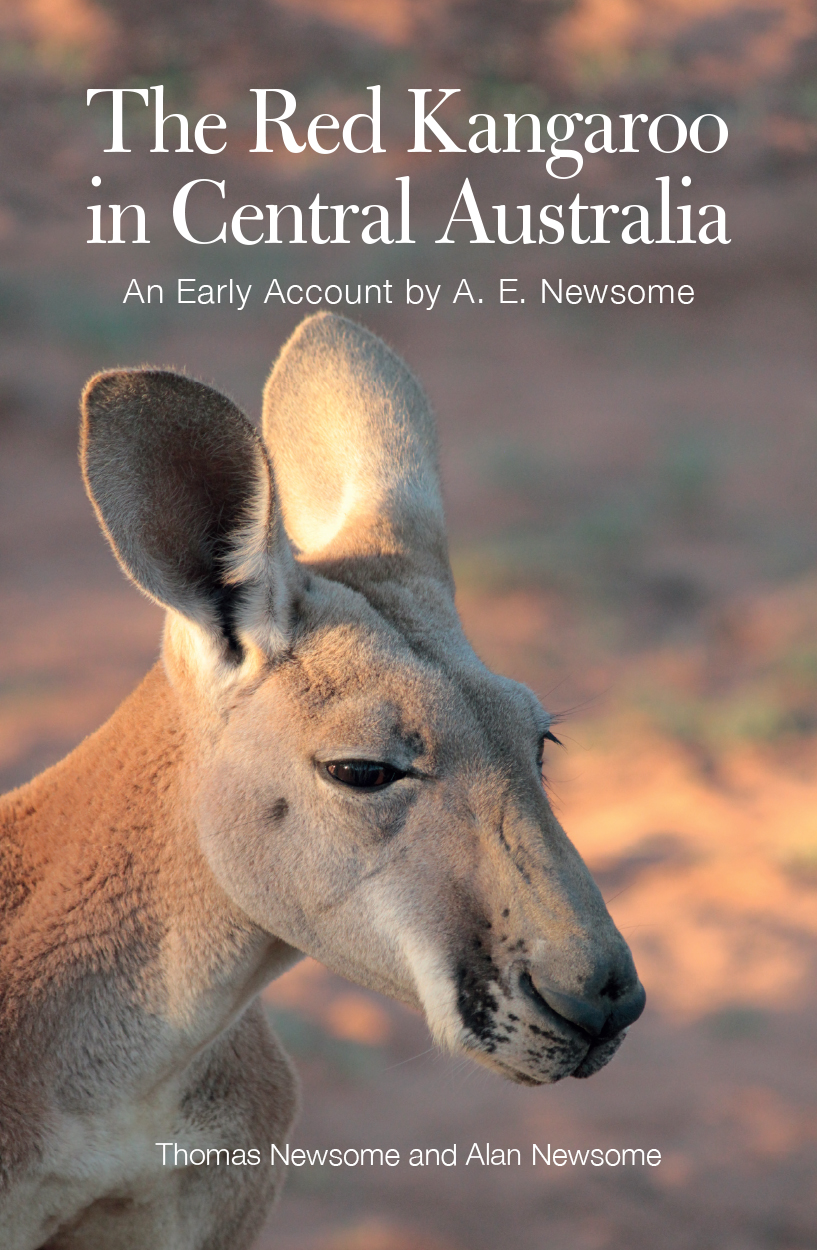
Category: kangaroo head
<point>362,786</point>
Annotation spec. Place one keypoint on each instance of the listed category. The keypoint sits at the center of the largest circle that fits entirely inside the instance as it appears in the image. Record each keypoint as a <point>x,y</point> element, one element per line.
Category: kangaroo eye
<point>364,774</point>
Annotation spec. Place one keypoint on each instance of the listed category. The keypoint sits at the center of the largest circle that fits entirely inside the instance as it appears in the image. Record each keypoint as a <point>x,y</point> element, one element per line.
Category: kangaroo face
<point>363,787</point>
<point>384,811</point>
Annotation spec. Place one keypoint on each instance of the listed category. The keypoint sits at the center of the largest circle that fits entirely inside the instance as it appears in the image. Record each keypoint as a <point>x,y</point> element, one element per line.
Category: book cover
<point>588,230</point>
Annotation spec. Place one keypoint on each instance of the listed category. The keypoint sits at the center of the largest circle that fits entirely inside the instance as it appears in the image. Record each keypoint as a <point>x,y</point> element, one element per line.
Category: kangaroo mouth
<point>597,1038</point>
<point>510,1026</point>
<point>599,1054</point>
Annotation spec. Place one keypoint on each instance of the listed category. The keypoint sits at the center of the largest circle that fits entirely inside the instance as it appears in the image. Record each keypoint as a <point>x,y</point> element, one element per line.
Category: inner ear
<point>183,490</point>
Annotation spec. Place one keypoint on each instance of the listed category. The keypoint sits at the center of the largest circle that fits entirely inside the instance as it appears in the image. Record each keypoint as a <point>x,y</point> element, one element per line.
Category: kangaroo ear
<point>182,487</point>
<point>354,446</point>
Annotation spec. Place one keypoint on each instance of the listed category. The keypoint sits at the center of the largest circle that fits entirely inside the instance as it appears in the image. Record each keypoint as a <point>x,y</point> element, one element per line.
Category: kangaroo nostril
<point>589,1017</point>
<point>596,1017</point>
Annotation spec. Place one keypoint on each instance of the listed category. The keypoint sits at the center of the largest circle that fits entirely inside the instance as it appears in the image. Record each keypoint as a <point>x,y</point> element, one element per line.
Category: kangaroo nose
<point>600,1016</point>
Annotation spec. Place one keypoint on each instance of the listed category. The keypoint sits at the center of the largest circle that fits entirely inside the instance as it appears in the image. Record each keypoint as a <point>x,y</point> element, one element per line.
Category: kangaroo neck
<point>110,862</point>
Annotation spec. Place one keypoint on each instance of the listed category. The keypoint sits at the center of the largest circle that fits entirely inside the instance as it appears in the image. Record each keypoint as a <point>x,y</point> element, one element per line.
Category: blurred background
<point>632,505</point>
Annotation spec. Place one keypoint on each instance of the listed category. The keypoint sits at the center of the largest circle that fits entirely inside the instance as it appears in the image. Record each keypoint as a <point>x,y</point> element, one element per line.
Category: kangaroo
<point>318,764</point>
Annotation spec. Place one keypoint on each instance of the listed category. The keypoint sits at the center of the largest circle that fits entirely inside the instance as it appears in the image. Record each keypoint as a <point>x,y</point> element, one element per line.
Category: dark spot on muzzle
<point>477,1004</point>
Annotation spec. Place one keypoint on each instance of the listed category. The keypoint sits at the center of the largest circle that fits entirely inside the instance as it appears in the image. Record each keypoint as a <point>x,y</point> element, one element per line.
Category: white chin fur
<point>436,991</point>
